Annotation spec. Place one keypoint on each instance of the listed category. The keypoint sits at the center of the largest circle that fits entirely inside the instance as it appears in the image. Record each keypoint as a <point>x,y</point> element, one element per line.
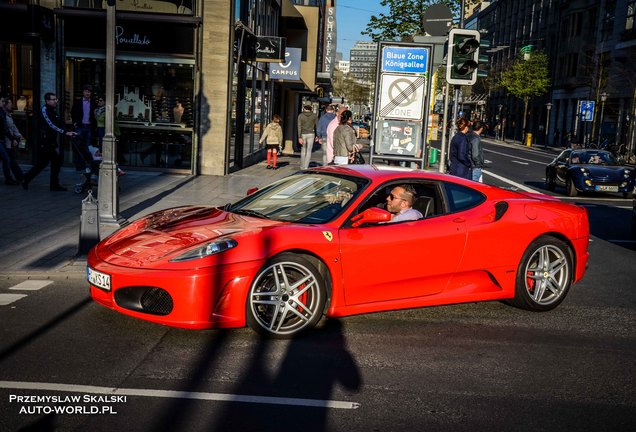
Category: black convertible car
<point>589,170</point>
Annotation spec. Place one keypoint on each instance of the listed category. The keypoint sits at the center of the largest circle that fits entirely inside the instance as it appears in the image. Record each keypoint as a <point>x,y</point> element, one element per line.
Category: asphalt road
<point>470,367</point>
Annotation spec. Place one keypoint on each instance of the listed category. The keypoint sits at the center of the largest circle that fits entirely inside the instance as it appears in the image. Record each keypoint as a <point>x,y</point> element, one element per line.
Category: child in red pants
<point>274,135</point>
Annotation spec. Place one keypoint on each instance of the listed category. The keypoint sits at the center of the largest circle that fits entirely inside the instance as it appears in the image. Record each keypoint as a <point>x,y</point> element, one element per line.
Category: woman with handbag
<point>344,140</point>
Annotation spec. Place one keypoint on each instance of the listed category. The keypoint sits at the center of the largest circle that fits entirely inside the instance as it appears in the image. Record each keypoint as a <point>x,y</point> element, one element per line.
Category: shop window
<point>153,109</point>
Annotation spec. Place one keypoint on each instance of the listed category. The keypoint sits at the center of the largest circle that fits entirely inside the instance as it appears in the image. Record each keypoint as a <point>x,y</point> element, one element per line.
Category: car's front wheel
<point>544,275</point>
<point>569,185</point>
<point>287,297</point>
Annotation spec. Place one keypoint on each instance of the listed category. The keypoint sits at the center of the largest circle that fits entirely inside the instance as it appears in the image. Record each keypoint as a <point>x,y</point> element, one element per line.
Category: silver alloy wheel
<point>285,298</point>
<point>547,275</point>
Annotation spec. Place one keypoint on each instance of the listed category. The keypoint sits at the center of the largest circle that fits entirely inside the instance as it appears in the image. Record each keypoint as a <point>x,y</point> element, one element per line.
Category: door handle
<point>459,220</point>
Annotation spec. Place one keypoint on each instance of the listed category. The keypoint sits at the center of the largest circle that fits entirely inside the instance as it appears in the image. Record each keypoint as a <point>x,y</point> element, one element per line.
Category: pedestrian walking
<point>51,127</point>
<point>84,123</point>
<point>344,139</point>
<point>476,150</point>
<point>460,161</point>
<point>273,136</point>
<point>307,122</point>
<point>321,131</point>
<point>331,128</point>
<point>11,141</point>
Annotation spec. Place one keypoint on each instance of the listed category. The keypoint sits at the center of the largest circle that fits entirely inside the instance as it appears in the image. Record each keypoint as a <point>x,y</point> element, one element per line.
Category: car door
<point>400,260</point>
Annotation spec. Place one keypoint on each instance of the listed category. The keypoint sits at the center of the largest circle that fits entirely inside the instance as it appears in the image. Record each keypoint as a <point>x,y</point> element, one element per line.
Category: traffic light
<point>483,59</point>
<point>462,57</point>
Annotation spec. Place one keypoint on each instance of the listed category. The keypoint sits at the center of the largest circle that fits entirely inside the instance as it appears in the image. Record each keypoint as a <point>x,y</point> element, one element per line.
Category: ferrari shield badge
<point>328,235</point>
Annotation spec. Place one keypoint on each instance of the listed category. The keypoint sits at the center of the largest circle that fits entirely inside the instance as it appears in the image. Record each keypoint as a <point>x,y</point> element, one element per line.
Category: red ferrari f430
<point>321,242</point>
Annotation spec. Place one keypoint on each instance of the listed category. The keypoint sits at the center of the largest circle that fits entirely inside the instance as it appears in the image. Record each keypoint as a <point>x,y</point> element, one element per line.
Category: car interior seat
<point>424,205</point>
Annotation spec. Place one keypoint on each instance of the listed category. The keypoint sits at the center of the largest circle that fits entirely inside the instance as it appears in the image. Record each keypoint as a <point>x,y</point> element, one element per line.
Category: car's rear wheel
<point>569,185</point>
<point>287,297</point>
<point>544,275</point>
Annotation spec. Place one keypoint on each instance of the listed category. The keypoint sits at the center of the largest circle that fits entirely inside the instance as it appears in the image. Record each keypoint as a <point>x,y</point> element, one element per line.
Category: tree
<point>404,18</point>
<point>527,78</point>
<point>353,91</point>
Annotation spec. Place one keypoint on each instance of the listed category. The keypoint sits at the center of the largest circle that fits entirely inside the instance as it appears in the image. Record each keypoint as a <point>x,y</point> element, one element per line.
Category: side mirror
<point>250,191</point>
<point>371,215</point>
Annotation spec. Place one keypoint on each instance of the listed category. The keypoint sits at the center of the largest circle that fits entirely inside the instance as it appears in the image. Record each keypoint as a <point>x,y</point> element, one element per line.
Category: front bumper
<point>203,298</point>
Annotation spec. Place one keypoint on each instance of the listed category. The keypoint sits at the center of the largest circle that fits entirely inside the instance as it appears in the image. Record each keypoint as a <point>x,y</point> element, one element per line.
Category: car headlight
<point>205,250</point>
<point>627,173</point>
<point>585,171</point>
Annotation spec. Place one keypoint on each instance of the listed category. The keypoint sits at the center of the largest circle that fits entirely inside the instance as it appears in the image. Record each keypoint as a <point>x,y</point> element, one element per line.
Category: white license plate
<point>606,188</point>
<point>98,279</point>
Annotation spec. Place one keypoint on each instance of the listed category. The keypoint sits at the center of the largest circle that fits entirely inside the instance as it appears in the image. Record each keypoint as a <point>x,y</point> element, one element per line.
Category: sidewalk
<point>39,233</point>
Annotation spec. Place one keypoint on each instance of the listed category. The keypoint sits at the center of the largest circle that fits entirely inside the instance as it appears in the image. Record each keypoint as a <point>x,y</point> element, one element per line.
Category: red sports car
<point>319,243</point>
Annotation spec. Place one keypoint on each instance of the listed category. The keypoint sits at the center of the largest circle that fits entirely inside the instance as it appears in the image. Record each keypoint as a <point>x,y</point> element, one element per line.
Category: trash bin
<point>529,139</point>
<point>433,156</point>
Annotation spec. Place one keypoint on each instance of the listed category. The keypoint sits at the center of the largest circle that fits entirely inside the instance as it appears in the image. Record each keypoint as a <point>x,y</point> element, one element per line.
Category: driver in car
<point>400,203</point>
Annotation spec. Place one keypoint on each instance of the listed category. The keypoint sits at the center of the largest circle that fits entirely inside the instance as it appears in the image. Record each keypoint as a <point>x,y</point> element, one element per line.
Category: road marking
<point>515,184</point>
<point>31,285</point>
<point>516,157</point>
<point>6,299</point>
<point>589,198</point>
<point>520,163</point>
<point>222,397</point>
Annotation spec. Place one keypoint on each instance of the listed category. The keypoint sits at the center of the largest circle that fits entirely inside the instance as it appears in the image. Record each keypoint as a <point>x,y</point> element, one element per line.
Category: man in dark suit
<point>84,123</point>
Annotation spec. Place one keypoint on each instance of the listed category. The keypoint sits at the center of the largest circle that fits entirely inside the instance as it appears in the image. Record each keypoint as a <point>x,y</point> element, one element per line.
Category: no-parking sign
<point>402,96</point>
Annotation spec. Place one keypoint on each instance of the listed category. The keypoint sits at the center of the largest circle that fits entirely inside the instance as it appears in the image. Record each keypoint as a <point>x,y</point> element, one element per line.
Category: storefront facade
<point>26,39</point>
<point>190,95</point>
<point>155,78</point>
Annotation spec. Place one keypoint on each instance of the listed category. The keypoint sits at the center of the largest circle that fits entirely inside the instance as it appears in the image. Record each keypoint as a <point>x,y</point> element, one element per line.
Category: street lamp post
<point>548,107</point>
<point>600,128</point>
<point>107,194</point>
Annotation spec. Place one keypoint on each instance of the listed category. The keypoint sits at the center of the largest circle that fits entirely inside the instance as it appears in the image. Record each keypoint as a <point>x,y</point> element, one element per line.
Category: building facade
<point>591,47</point>
<point>191,93</point>
<point>363,57</point>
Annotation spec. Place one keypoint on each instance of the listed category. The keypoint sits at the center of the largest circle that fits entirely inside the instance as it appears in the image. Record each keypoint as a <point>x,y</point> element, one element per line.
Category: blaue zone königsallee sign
<point>405,59</point>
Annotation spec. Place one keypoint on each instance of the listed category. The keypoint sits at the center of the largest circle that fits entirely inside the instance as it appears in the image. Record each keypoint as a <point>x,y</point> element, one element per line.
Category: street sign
<point>402,96</point>
<point>586,110</point>
<point>289,70</point>
<point>405,59</point>
<point>437,19</point>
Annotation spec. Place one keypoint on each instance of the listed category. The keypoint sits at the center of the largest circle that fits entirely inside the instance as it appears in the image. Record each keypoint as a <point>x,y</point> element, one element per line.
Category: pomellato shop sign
<point>135,39</point>
<point>132,36</point>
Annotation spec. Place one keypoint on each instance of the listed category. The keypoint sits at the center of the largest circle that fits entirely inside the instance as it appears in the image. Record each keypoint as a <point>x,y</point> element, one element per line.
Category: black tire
<point>287,297</point>
<point>571,189</point>
<point>549,182</point>
<point>544,275</point>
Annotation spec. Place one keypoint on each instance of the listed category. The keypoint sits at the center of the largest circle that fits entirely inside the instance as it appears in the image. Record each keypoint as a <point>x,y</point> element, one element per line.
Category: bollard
<point>89,225</point>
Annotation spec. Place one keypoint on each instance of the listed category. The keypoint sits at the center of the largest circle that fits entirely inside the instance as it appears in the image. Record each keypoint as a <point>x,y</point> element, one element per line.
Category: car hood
<point>168,233</point>
<point>609,172</point>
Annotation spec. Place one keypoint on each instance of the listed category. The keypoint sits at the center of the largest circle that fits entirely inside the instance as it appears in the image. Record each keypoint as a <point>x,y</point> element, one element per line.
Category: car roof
<point>382,173</point>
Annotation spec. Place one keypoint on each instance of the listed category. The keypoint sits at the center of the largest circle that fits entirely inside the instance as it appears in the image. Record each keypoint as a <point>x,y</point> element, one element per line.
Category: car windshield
<point>593,157</point>
<point>309,197</point>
